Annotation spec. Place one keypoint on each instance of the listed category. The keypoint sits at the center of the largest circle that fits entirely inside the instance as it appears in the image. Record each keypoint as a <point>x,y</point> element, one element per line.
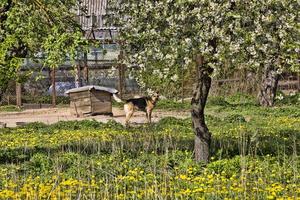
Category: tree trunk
<point>53,88</point>
<point>122,81</point>
<point>86,69</point>
<point>1,96</point>
<point>19,94</point>
<point>3,88</point>
<point>200,93</point>
<point>78,76</point>
<point>268,86</point>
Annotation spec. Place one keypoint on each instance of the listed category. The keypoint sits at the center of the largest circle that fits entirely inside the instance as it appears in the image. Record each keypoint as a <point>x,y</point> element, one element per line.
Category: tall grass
<point>254,156</point>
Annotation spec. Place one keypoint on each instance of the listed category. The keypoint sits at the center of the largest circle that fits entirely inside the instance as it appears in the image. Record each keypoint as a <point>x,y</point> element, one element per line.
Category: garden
<point>236,62</point>
<point>253,156</point>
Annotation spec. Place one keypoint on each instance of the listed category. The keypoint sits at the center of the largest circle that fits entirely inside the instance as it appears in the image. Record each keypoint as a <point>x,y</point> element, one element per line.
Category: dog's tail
<point>117,99</point>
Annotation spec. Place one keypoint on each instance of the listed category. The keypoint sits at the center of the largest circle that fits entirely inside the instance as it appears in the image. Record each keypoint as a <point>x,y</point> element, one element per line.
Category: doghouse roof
<point>90,87</point>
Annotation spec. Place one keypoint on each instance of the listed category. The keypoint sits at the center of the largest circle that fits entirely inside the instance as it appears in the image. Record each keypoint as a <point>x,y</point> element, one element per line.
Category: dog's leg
<point>128,116</point>
<point>128,108</point>
<point>148,115</point>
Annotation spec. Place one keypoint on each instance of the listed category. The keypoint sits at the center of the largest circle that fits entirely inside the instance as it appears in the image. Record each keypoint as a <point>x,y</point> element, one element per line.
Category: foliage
<point>173,105</point>
<point>292,98</point>
<point>9,108</point>
<point>45,31</point>
<point>256,159</point>
<point>241,98</point>
<point>218,101</point>
<point>45,99</point>
<point>235,118</point>
<point>162,37</point>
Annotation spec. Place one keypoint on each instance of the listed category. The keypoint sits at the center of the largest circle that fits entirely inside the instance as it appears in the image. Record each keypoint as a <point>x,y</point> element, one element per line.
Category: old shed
<point>91,100</point>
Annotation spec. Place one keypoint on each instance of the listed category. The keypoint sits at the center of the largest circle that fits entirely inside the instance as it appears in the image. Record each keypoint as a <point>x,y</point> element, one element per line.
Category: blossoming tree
<point>272,42</point>
<point>161,36</point>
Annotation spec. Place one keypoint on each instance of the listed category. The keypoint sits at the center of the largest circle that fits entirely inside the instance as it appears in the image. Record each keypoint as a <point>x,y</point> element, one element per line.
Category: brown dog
<point>145,104</point>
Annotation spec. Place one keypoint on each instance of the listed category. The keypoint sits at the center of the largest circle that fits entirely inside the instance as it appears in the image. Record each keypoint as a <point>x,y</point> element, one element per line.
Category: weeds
<point>254,156</point>
<point>10,108</point>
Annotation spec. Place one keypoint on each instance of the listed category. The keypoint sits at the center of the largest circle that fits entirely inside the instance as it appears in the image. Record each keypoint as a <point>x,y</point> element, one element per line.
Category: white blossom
<point>175,44</point>
<point>279,71</point>
<point>293,93</point>
<point>150,91</point>
<point>174,77</point>
<point>279,97</point>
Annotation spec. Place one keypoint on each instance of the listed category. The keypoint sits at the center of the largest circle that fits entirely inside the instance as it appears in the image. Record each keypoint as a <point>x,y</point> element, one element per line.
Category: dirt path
<point>53,115</point>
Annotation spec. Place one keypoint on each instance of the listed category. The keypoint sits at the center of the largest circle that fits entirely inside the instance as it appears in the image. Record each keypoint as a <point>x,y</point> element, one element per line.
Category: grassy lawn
<point>10,108</point>
<point>254,156</point>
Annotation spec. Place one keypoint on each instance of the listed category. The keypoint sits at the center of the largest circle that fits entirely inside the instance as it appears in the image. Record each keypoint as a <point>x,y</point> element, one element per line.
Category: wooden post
<point>86,69</point>
<point>120,81</point>
<point>18,94</point>
<point>78,77</point>
<point>121,68</point>
<point>3,125</point>
<point>121,87</point>
<point>53,88</point>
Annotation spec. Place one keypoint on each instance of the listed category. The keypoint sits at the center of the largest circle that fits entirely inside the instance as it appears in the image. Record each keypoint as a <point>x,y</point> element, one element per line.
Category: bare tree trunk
<point>122,81</point>
<point>19,94</point>
<point>78,82</point>
<point>200,94</point>
<point>86,69</point>
<point>268,86</point>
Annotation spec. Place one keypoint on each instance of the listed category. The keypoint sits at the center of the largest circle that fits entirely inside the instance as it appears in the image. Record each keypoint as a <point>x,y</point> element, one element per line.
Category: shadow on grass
<point>169,134</point>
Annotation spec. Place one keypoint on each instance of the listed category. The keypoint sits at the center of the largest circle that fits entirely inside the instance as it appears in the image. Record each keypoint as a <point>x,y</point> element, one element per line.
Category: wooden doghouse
<point>91,100</point>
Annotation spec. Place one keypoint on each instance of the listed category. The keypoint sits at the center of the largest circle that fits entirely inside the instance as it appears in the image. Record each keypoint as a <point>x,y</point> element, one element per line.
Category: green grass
<point>10,108</point>
<point>254,156</point>
<point>46,99</point>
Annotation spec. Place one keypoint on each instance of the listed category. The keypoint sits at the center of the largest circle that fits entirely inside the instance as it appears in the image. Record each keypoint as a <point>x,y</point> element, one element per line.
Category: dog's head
<point>155,96</point>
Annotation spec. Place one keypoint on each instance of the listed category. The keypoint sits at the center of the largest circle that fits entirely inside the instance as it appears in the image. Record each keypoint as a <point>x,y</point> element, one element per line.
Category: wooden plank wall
<point>91,102</point>
<point>101,102</point>
<point>80,102</point>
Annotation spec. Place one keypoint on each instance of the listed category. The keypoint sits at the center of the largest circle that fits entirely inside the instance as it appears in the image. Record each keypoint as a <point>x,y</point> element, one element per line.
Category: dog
<point>145,104</point>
